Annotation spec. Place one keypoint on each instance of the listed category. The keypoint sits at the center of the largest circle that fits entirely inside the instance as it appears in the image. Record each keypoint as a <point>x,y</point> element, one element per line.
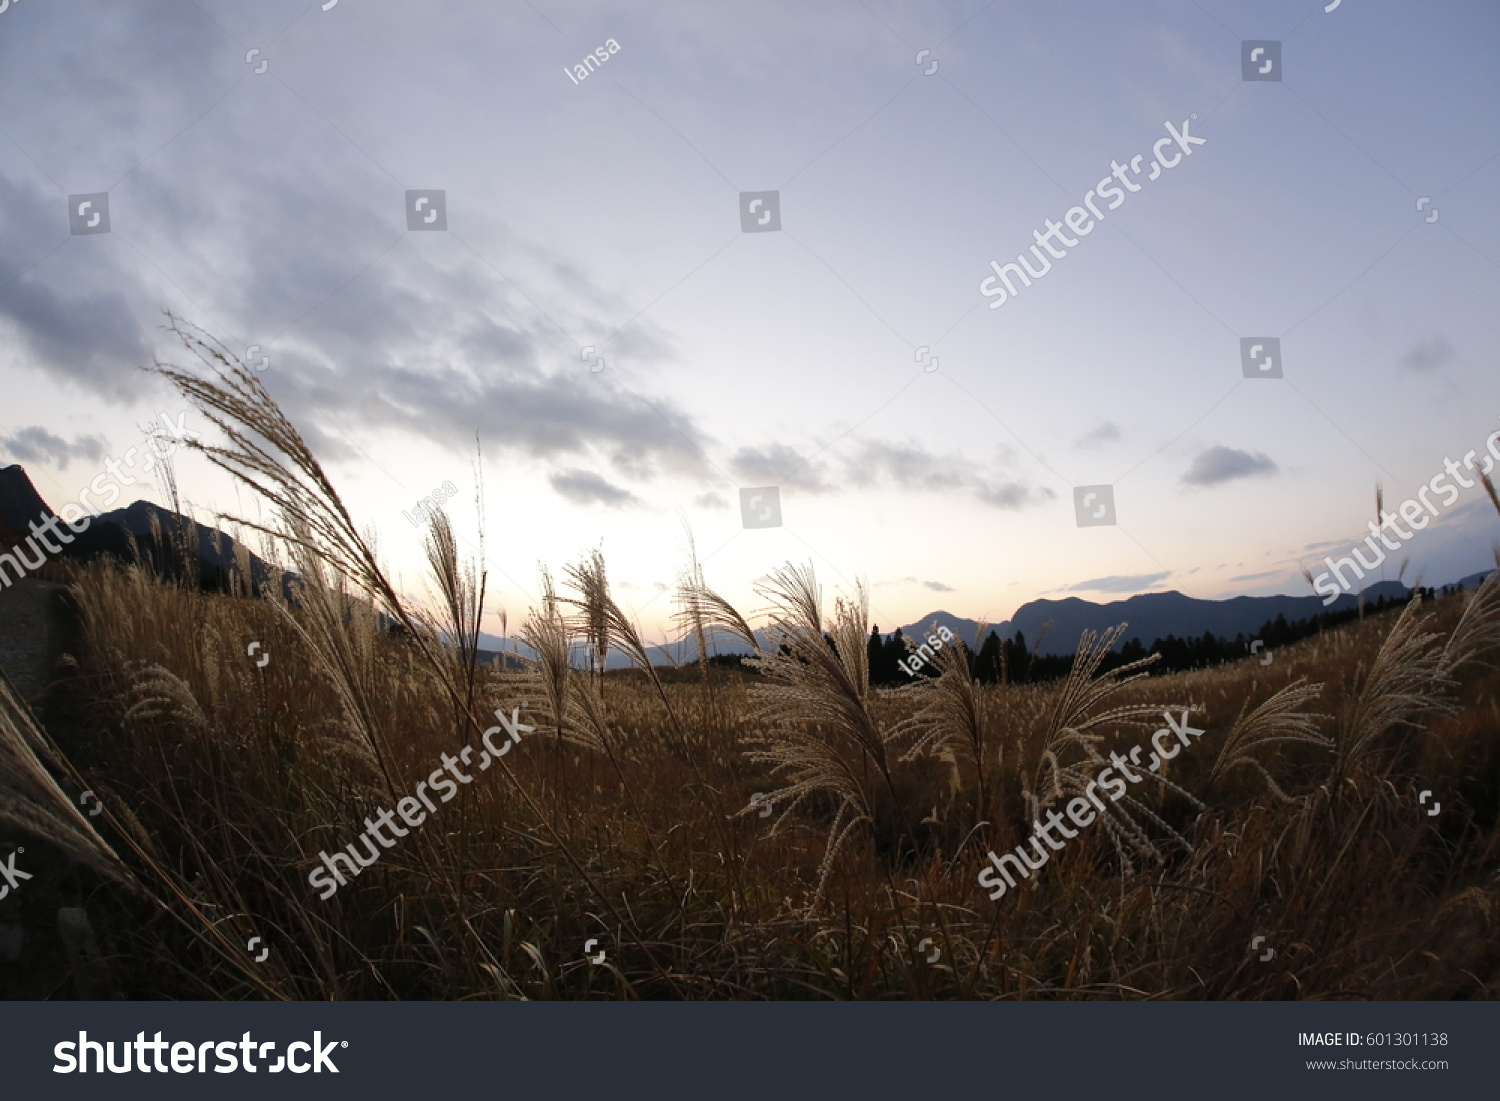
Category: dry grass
<point>627,815</point>
<point>235,778</point>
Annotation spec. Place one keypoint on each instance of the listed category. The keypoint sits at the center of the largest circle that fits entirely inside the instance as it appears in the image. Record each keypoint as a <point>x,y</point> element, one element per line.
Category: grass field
<point>628,817</point>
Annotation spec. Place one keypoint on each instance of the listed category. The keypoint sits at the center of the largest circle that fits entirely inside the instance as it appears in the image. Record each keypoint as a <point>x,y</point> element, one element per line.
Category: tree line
<point>1010,661</point>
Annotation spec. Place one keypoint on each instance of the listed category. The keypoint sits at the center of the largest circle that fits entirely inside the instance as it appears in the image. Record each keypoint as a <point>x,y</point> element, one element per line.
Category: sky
<point>599,319</point>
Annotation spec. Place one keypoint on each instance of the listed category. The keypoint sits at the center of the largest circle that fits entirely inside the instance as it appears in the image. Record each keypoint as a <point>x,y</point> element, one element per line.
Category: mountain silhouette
<point>20,503</point>
<point>1151,616</point>
<point>141,531</point>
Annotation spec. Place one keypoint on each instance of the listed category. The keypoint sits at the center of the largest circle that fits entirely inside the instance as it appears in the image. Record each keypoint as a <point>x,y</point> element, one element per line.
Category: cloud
<point>910,466</point>
<point>583,487</point>
<point>295,242</point>
<point>35,444</point>
<point>426,383</point>
<point>1011,495</point>
<point>1106,433</point>
<point>84,309</point>
<point>1259,576</point>
<point>1130,583</point>
<point>879,464</point>
<point>72,313</point>
<point>935,586</point>
<point>777,464</point>
<point>1428,354</point>
<point>1221,464</point>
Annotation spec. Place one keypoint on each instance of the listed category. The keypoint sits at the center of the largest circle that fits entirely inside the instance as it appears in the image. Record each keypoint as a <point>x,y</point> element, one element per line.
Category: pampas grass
<point>1078,726</point>
<point>1409,680</point>
<point>1278,720</point>
<point>952,723</point>
<point>824,740</point>
<point>626,816</point>
<point>827,898</point>
<point>32,801</point>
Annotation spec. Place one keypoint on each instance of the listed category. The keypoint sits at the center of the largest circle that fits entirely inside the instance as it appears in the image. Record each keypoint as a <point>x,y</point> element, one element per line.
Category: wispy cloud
<point>1428,354</point>
<point>1221,464</point>
<point>1119,583</point>
<point>779,465</point>
<point>863,463</point>
<point>1259,576</point>
<point>1106,433</point>
<point>912,467</point>
<point>584,487</point>
<point>934,586</point>
<point>34,444</point>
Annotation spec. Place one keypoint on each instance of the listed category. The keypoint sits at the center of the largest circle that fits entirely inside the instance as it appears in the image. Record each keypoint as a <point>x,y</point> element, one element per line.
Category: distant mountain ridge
<point>126,532</point>
<point>20,503</point>
<point>1151,616</point>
